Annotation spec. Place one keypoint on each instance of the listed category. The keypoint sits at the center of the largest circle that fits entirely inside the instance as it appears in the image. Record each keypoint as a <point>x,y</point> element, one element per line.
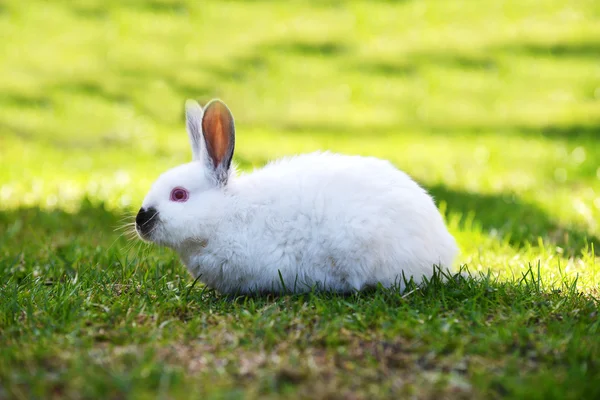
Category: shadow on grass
<point>584,134</point>
<point>42,233</point>
<point>508,215</point>
<point>36,231</point>
<point>574,131</point>
<point>489,61</point>
<point>91,10</point>
<point>576,49</point>
<point>22,100</point>
<point>305,48</point>
<point>468,62</point>
<point>387,68</point>
<point>164,6</point>
<point>54,245</point>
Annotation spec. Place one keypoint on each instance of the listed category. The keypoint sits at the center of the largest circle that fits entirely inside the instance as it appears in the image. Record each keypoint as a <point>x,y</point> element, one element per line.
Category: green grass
<point>492,106</point>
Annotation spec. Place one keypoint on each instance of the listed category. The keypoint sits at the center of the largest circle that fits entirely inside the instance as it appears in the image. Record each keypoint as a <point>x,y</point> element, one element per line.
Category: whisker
<point>126,220</point>
<point>116,240</point>
<point>153,216</point>
<point>125,226</point>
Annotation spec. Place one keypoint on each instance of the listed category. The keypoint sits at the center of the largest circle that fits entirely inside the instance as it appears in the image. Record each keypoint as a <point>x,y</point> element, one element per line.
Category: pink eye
<point>179,194</point>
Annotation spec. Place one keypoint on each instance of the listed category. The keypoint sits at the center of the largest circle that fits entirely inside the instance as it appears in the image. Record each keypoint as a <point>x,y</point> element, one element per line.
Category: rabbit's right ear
<point>193,123</point>
<point>218,130</point>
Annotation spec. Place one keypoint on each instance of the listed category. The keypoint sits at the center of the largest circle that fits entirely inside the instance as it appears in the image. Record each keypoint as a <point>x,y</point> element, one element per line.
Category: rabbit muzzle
<point>145,222</point>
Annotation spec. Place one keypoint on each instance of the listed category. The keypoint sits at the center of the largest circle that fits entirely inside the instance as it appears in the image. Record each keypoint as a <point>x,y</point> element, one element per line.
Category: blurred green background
<point>493,106</point>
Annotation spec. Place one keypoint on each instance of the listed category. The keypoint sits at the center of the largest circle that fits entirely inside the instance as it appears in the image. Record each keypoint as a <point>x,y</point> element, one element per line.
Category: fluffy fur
<point>319,220</point>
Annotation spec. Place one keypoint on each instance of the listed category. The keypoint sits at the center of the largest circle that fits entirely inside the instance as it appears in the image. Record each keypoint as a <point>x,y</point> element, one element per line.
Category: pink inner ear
<point>217,125</point>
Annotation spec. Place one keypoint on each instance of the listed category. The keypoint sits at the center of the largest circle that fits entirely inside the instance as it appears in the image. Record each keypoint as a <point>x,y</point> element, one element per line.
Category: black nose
<point>146,219</point>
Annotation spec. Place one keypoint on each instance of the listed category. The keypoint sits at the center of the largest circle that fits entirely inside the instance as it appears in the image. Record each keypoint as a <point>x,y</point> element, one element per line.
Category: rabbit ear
<point>219,137</point>
<point>193,123</point>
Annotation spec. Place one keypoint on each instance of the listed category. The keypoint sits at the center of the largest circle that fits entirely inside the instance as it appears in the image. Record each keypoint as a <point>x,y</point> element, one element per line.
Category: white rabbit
<point>321,220</point>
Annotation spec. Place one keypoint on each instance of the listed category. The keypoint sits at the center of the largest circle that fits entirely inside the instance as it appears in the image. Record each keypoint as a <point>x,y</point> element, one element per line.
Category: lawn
<point>493,106</point>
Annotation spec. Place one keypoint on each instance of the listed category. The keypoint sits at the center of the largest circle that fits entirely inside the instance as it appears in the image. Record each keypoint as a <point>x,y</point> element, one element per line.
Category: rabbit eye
<point>179,194</point>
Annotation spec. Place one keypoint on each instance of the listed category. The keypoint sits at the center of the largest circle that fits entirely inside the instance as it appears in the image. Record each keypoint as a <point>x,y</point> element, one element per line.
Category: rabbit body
<point>321,220</point>
<point>316,221</point>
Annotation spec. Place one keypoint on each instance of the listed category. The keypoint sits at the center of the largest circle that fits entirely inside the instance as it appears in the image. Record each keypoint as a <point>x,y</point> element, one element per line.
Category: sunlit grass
<point>492,106</point>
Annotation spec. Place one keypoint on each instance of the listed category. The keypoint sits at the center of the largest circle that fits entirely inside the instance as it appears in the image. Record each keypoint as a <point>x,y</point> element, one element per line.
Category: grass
<point>492,106</point>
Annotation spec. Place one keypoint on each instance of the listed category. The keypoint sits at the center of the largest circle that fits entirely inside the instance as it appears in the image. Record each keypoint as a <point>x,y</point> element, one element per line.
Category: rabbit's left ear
<point>193,123</point>
<point>219,137</point>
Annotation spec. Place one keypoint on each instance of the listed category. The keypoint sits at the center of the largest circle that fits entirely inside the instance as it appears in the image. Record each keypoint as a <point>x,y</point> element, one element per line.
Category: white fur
<point>323,220</point>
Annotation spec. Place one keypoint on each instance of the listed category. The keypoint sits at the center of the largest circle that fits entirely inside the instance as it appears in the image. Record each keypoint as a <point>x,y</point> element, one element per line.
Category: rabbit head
<point>184,200</point>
